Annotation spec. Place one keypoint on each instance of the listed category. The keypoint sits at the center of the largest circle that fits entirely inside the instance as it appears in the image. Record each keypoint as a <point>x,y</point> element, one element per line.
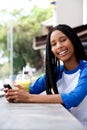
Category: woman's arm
<point>23,96</point>
<point>20,95</point>
<point>76,96</point>
<point>56,98</point>
<point>38,86</point>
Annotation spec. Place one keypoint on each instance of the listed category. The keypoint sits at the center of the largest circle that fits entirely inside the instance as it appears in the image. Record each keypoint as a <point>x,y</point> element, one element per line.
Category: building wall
<point>69,12</point>
<point>84,11</point>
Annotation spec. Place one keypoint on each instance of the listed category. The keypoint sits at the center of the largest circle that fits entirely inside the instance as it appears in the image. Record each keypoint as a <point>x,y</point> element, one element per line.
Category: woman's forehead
<point>56,33</point>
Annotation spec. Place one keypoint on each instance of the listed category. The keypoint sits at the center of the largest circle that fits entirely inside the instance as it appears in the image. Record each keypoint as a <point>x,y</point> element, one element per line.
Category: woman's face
<point>61,46</point>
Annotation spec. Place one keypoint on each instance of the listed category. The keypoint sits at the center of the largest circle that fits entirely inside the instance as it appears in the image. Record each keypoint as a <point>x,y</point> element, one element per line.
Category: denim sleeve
<point>75,97</point>
<point>39,85</point>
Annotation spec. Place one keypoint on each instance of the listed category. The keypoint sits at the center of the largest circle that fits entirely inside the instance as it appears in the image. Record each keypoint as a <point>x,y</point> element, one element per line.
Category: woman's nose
<point>59,45</point>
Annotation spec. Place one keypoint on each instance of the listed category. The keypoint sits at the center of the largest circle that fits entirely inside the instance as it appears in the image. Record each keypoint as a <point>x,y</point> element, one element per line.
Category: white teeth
<point>63,52</point>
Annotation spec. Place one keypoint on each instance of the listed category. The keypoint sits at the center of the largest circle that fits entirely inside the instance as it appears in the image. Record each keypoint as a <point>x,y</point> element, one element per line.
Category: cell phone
<point>7,86</point>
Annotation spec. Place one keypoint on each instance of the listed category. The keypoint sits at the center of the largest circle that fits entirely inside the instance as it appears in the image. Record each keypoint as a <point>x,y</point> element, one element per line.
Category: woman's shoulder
<point>83,67</point>
<point>83,64</point>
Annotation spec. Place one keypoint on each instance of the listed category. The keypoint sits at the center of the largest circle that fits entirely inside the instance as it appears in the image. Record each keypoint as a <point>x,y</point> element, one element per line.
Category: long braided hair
<point>53,63</point>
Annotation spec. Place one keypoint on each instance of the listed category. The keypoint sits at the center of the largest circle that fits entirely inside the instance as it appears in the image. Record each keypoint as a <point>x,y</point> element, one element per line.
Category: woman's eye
<point>53,44</point>
<point>63,40</point>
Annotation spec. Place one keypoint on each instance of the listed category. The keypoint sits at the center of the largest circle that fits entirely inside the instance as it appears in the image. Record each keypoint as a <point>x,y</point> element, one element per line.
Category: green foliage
<point>3,40</point>
<point>25,28</point>
<point>3,36</point>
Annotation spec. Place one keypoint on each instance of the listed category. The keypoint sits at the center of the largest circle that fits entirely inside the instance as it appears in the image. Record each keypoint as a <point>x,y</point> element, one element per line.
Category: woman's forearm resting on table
<point>20,95</point>
<point>33,98</point>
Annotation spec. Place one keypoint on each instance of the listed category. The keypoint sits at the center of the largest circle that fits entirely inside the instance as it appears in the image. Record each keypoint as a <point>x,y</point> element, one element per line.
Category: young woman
<point>65,84</point>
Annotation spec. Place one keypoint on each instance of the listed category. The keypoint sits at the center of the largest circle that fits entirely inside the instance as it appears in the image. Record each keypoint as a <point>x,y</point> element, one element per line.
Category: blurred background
<point>24,25</point>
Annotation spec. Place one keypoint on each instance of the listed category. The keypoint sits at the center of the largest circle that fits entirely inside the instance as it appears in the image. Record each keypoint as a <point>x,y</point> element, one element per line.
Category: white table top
<point>15,116</point>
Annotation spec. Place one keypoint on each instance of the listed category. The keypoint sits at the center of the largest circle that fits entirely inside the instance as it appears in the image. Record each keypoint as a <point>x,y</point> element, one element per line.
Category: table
<point>34,116</point>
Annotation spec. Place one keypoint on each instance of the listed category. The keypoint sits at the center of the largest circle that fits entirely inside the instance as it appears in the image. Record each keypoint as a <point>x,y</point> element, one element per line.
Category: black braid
<point>51,66</point>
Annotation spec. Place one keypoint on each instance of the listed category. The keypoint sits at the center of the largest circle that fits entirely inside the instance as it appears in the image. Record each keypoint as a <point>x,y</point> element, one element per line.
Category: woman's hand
<point>16,94</point>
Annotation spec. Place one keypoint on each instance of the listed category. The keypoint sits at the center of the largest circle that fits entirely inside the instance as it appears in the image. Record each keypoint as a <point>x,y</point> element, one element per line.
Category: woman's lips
<point>62,52</point>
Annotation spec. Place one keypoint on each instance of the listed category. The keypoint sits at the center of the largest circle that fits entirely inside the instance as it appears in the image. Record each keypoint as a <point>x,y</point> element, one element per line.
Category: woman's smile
<point>62,53</point>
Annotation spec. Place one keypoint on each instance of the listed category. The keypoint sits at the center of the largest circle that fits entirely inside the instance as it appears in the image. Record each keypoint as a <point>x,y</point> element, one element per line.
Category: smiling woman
<point>65,84</point>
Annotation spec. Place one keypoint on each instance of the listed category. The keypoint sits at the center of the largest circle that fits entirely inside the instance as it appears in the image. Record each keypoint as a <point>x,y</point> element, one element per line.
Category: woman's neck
<point>71,64</point>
